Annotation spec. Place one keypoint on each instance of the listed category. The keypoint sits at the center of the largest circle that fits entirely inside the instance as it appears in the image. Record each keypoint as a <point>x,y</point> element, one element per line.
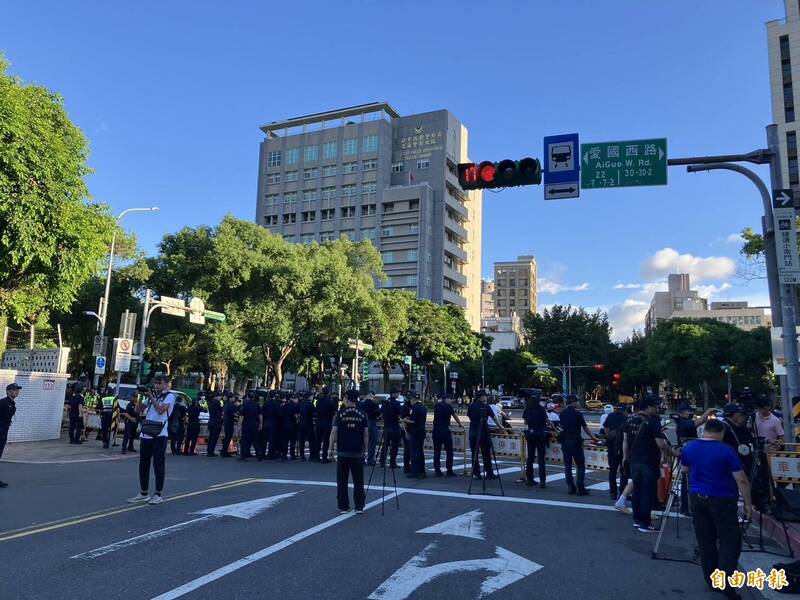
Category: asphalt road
<point>65,532</point>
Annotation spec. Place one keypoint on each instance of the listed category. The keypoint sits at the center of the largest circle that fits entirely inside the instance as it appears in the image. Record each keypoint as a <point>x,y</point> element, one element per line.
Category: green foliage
<point>51,239</point>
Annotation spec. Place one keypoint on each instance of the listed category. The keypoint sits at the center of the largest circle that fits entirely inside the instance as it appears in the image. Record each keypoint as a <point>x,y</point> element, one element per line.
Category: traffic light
<point>615,380</point>
<point>506,173</point>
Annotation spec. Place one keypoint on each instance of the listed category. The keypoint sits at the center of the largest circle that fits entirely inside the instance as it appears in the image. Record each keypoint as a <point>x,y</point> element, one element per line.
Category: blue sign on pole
<point>100,365</point>
<point>562,167</point>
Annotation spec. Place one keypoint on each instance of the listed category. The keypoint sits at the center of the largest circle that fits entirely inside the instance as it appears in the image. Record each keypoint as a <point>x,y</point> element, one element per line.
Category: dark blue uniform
<point>326,409</point>
<point>74,402</point>
<point>391,431</point>
<point>416,434</point>
<point>306,431</point>
<point>572,422</point>
<point>8,408</point>
<point>535,418</point>
<point>177,429</point>
<point>192,427</point>
<point>370,408</point>
<point>251,413</point>
<point>442,413</point>
<point>478,413</point>
<point>270,412</point>
<point>228,418</point>
<point>290,412</point>
<point>214,424</point>
<point>350,426</point>
<point>131,424</point>
<point>405,412</point>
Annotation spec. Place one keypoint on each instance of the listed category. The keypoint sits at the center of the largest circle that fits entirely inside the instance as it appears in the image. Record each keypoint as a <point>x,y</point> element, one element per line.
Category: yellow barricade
<point>785,464</point>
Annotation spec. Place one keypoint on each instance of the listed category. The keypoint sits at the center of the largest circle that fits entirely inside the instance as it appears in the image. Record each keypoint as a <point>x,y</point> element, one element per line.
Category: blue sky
<point>171,95</point>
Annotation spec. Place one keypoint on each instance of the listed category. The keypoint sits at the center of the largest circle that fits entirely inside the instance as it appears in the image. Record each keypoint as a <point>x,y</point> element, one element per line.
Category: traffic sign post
<point>100,365</point>
<point>99,345</point>
<point>624,164</point>
<point>123,348</point>
<point>562,167</point>
<point>172,306</point>
<point>785,236</point>
<point>197,308</point>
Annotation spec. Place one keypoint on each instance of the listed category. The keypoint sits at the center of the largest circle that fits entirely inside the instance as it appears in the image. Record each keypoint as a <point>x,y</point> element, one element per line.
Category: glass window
<point>412,255</point>
<point>369,143</point>
<point>292,156</point>
<point>330,150</point>
<point>348,190</point>
<point>413,229</point>
<point>424,164</point>
<point>369,165</point>
<point>368,234</point>
<point>397,167</point>
<point>349,167</point>
<point>291,175</point>
<point>388,207</point>
<point>350,147</point>
<point>311,173</point>
<point>311,153</point>
<point>412,279</point>
<point>271,199</point>
<point>273,177</point>
<point>367,210</point>
<point>328,170</point>
<point>349,234</point>
<point>307,238</point>
<point>413,204</point>
<point>309,195</point>
<point>328,193</point>
<point>289,197</point>
<point>387,231</point>
<point>388,257</point>
<point>326,237</point>
<point>271,220</point>
<point>274,158</point>
<point>348,212</point>
<point>289,218</point>
<point>308,216</point>
<point>327,215</point>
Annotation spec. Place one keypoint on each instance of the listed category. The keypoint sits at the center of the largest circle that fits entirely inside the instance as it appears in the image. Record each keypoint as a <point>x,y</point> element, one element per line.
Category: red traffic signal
<point>506,173</point>
<point>615,380</point>
<point>599,368</point>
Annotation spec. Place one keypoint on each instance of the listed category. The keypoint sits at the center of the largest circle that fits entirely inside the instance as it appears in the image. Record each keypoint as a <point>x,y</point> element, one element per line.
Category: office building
<point>487,299</point>
<point>506,332</point>
<point>515,287</point>
<point>368,173</point>
<point>739,314</point>
<point>783,43</point>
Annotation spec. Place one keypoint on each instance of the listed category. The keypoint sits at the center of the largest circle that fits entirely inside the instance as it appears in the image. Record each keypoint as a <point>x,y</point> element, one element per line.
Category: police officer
<point>131,420</point>
<point>305,431</point>
<point>106,407</point>
<point>326,408</point>
<point>479,414</point>
<point>416,433</point>
<point>442,412</point>
<point>572,422</point>
<point>75,411</point>
<point>290,413</point>
<point>349,436</point>
<point>535,418</point>
<point>391,429</point>
<point>252,422</point>
<point>370,408</point>
<point>177,426</point>
<point>280,426</point>
<point>193,425</point>
<point>214,423</point>
<point>89,403</point>
<point>229,414</point>
<point>270,413</point>
<point>405,413</point>
<point>8,407</point>
<point>614,428</point>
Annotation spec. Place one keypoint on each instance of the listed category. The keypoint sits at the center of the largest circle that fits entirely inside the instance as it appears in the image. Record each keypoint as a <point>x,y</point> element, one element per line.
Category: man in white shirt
<point>153,437</point>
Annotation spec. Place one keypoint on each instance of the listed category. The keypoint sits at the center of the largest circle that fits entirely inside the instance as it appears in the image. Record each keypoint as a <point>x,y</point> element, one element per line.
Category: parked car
<point>507,402</point>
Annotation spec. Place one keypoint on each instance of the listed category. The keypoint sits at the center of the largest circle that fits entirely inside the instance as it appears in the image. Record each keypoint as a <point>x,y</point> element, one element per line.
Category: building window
<point>397,167</point>
<point>292,156</point>
<point>309,195</point>
<point>349,234</point>
<point>289,218</point>
<point>311,173</point>
<point>786,74</point>
<point>512,292</point>
<point>412,255</point>
<point>328,192</point>
<point>274,158</point>
<point>388,257</point>
<point>349,190</point>
<point>328,170</point>
<point>388,207</point>
<point>307,238</point>
<point>368,234</point>
<point>412,280</point>
<point>369,143</point>
<point>311,153</point>
<point>270,220</point>
<point>512,302</point>
<point>350,147</point>
<point>368,191</point>
<point>348,212</point>
<point>349,167</point>
<point>308,216</point>
<point>413,205</point>
<point>291,176</point>
<point>387,231</point>
<point>423,164</point>
<point>327,215</point>
<point>271,200</point>
<point>369,165</point>
<point>791,155</point>
<point>290,197</point>
<point>367,210</point>
<point>330,150</point>
<point>413,229</point>
<point>273,177</point>
<point>327,237</point>
<point>501,303</point>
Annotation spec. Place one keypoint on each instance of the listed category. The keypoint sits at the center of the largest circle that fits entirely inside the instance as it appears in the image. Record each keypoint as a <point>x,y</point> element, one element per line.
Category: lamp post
<point>103,314</point>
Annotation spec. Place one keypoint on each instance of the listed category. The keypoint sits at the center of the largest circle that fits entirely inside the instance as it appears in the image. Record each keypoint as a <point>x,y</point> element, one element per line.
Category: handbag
<point>152,428</point>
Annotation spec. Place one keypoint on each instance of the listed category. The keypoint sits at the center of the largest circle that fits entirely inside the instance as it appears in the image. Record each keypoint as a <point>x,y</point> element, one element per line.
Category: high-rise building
<point>678,297</point>
<point>368,173</point>
<point>515,286</point>
<point>487,299</point>
<point>783,43</point>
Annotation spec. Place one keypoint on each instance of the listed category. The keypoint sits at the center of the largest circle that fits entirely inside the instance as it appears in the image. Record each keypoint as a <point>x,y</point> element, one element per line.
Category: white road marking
<point>603,485</point>
<point>265,552</point>
<point>468,525</point>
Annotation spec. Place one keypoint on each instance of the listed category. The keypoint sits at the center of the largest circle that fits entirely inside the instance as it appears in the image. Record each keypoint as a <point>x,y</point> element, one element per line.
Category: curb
<point>774,528</point>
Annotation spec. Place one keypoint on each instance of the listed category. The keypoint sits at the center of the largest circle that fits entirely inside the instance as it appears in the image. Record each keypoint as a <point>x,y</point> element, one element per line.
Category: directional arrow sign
<point>242,510</point>
<point>562,167</point>
<point>468,525</point>
<point>555,192</point>
<point>785,236</point>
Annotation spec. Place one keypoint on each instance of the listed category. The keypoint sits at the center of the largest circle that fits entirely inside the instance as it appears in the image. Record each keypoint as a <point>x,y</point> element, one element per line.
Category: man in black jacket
<point>326,409</point>
<point>370,408</point>
<point>214,423</point>
<point>8,407</point>
<point>306,430</point>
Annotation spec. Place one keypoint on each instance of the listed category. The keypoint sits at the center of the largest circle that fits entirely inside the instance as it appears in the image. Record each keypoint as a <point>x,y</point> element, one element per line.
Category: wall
<point>40,405</point>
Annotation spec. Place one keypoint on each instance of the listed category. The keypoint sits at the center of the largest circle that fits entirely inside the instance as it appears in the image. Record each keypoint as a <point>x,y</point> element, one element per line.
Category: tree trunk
<point>705,396</point>
<point>385,367</point>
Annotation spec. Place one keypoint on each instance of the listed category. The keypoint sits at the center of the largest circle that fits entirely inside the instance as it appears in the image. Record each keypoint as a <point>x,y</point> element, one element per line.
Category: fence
<point>39,404</point>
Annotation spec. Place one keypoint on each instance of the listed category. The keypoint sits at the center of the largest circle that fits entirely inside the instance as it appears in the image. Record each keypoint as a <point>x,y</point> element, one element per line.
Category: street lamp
<point>104,300</point>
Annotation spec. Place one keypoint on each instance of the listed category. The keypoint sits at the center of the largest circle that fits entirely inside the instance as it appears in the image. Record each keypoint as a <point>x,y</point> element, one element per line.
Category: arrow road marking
<point>468,525</point>
<point>506,568</point>
<point>241,510</point>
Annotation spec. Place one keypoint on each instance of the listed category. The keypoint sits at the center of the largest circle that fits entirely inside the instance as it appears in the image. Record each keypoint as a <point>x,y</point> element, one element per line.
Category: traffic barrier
<point>784,464</point>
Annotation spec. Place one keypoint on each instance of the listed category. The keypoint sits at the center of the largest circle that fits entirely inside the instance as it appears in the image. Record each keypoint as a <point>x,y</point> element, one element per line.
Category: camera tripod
<point>672,501</point>
<point>493,458</point>
<point>378,450</point>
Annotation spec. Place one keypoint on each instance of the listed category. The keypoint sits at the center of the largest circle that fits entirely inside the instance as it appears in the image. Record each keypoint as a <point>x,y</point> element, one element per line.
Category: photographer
<point>153,439</point>
<point>715,472</point>
<point>686,430</point>
<point>479,414</point>
<point>767,425</point>
<point>535,418</point>
<point>737,434</point>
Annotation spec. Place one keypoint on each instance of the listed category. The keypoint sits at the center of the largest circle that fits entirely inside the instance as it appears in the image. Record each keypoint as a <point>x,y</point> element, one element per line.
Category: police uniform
<point>106,407</point>
<point>130,427</point>
<point>350,426</point>
<point>391,431</point>
<point>416,434</point>
<point>8,407</point>
<point>228,419</point>
<point>326,408</point>
<point>478,414</point>
<point>405,412</point>
<point>290,411</point>
<point>214,424</point>
<point>306,430</point>
<point>535,418</point>
<point>270,413</point>
<point>442,436</point>
<point>192,427</point>
<point>177,428</point>
<point>74,402</point>
<point>572,422</point>
<point>370,408</point>
<point>251,416</point>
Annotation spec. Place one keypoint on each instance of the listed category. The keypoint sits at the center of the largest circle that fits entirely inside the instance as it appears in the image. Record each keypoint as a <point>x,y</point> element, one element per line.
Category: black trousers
<point>645,482</point>
<point>417,440</point>
<point>485,452</point>
<point>176,439</point>
<point>226,438</point>
<point>214,430</point>
<point>716,528</point>
<point>272,450</point>
<point>615,469</point>
<point>345,466</point>
<point>372,443</point>
<point>192,433</point>
<point>324,437</point>
<point>249,438</point>
<point>536,449</point>
<point>75,427</point>
<point>391,441</point>
<point>129,436</point>
<point>306,434</point>
<point>152,450</point>
<point>406,449</point>
<point>3,438</point>
<point>289,441</point>
<point>105,427</point>
<point>572,451</point>
<point>442,437</point>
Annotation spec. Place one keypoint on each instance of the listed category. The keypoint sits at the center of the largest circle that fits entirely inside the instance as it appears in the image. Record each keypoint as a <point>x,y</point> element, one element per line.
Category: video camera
<point>144,389</point>
<point>747,400</point>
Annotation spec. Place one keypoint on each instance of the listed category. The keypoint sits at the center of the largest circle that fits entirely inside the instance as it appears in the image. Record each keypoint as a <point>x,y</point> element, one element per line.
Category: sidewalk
<point>54,452</point>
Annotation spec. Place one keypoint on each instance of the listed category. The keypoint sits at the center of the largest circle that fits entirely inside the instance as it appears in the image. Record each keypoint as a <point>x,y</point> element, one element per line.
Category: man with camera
<point>391,429</point>
<point>715,472</point>
<point>350,437</point>
<point>737,434</point>
<point>157,408</point>
<point>416,435</point>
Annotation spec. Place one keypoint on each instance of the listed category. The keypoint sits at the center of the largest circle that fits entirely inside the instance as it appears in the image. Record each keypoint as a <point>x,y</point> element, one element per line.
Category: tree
<point>386,328</point>
<point>52,239</point>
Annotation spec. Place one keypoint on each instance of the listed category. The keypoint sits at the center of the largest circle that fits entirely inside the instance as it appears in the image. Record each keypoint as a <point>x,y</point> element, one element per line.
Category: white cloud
<point>734,238</point>
<point>628,286</point>
<point>709,291</point>
<point>667,261</point>
<point>545,286</point>
<point>626,317</point>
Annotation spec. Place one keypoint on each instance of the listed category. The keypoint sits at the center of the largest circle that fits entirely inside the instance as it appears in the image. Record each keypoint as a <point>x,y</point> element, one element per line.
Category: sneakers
<point>620,505</point>
<point>359,511</point>
<point>343,511</point>
<point>648,529</point>
<point>138,498</point>
<point>156,499</point>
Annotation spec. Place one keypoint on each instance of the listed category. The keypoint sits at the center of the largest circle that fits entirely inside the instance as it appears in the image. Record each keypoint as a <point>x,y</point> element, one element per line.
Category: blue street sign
<point>562,166</point>
<point>100,365</point>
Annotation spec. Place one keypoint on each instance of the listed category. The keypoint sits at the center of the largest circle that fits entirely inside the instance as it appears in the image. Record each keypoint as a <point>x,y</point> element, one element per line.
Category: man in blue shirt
<point>715,473</point>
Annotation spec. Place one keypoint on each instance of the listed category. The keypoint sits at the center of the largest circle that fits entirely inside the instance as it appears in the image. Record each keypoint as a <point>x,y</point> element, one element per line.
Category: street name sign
<point>785,236</point>
<point>562,167</point>
<point>172,306</point>
<point>624,164</point>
